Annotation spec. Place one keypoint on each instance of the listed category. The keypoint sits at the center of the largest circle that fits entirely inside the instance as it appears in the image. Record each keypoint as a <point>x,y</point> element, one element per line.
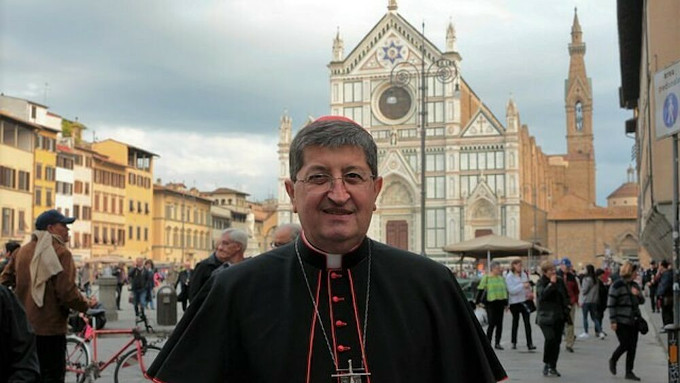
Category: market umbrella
<point>493,245</point>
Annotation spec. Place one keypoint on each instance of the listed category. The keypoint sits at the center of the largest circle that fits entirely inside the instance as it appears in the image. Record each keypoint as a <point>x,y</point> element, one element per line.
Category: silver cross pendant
<point>350,375</point>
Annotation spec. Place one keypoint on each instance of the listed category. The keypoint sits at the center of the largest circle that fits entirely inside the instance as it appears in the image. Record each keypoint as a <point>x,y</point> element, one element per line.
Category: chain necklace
<point>316,307</point>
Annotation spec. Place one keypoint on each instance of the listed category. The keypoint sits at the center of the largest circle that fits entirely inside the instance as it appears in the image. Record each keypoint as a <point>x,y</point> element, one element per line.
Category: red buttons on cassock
<point>342,348</point>
<point>335,275</point>
<point>337,299</point>
<point>339,323</point>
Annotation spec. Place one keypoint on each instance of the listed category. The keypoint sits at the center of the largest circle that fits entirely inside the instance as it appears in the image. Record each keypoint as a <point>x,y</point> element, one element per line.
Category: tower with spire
<point>578,99</point>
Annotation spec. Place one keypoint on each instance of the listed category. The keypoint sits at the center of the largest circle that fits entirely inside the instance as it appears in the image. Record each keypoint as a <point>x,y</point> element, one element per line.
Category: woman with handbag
<point>624,314</point>
<point>493,286</point>
<point>552,314</point>
<point>521,300</point>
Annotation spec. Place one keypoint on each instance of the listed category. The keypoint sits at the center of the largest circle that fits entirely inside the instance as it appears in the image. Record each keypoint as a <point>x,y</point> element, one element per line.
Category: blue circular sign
<point>670,110</point>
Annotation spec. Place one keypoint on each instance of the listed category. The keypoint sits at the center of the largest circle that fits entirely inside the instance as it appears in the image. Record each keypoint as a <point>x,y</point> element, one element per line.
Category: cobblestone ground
<point>589,361</point>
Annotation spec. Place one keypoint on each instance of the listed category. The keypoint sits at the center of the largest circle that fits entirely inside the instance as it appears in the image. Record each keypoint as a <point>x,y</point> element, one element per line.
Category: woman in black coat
<point>551,315</point>
<point>624,298</point>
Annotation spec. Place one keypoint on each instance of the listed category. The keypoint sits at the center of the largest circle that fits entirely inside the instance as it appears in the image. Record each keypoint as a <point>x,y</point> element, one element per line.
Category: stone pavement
<point>589,361</point>
<point>587,364</point>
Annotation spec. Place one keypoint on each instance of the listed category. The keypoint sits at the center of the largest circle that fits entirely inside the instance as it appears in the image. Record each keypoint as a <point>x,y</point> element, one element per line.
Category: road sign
<point>667,96</point>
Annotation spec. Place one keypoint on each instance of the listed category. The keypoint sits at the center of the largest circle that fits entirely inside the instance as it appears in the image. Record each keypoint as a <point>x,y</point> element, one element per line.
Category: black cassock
<point>258,323</point>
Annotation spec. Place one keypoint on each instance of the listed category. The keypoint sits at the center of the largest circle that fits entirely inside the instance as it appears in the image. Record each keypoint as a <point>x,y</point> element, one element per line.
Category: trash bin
<point>166,304</point>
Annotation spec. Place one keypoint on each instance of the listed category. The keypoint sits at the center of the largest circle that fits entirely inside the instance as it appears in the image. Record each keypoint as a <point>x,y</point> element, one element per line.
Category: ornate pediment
<point>483,209</point>
<point>483,203</point>
<point>391,41</point>
<point>395,164</point>
<point>396,193</point>
<point>481,125</point>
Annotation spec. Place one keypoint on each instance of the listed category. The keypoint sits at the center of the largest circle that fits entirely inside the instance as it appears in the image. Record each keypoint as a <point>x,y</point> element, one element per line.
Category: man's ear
<point>377,185</point>
<point>290,189</point>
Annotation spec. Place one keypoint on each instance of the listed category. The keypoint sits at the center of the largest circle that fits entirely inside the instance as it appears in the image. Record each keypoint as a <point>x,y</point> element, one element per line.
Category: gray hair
<point>494,264</point>
<point>239,236</point>
<point>332,133</point>
<point>294,228</point>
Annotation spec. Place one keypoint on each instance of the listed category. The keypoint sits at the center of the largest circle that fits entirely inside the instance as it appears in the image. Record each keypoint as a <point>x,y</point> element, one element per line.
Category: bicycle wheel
<point>130,370</point>
<point>77,359</point>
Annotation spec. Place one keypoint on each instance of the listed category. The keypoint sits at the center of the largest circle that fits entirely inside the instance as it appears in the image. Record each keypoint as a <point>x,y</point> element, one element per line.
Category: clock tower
<point>579,112</point>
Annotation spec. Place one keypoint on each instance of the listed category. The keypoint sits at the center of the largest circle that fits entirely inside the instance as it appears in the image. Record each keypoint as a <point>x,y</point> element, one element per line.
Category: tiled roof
<point>627,190</point>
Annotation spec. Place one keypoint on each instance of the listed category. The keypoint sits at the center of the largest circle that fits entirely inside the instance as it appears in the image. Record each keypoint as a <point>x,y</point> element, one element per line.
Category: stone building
<point>181,228</point>
<point>650,59</point>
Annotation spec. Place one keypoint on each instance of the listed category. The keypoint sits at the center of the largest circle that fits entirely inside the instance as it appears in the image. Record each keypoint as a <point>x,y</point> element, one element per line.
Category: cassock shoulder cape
<point>258,323</point>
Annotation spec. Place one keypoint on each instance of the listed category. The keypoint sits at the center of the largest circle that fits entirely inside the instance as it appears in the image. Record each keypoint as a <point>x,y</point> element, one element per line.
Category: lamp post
<point>444,71</point>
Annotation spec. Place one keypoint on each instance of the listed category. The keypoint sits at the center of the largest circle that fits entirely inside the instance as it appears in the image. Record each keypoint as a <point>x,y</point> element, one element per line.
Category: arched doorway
<point>397,234</point>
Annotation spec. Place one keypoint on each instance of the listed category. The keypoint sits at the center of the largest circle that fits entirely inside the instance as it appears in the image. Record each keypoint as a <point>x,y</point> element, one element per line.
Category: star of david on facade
<point>392,52</point>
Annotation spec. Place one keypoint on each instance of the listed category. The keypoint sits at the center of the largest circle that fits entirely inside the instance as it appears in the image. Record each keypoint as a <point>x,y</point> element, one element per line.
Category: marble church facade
<point>483,174</point>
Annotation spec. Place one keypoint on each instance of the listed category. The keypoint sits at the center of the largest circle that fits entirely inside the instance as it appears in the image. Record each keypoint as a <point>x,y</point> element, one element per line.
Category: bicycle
<point>132,360</point>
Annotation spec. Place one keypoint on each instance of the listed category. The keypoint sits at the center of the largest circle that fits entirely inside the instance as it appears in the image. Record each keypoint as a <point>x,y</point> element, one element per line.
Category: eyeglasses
<point>321,182</point>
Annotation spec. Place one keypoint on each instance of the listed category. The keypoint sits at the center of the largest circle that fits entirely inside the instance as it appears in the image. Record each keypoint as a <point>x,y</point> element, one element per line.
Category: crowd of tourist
<point>555,291</point>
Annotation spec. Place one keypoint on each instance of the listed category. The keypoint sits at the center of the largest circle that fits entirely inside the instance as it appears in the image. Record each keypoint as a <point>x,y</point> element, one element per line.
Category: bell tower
<point>579,112</point>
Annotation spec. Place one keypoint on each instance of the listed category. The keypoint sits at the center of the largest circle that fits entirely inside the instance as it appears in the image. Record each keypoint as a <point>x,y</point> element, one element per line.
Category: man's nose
<point>338,191</point>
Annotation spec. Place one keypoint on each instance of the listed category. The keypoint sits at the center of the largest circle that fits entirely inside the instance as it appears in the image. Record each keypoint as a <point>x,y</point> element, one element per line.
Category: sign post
<point>666,91</point>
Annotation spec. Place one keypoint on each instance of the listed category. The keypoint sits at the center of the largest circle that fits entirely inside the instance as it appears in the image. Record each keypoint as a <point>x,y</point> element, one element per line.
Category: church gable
<point>482,202</point>
<point>394,163</point>
<point>391,41</point>
<point>391,49</point>
<point>481,125</point>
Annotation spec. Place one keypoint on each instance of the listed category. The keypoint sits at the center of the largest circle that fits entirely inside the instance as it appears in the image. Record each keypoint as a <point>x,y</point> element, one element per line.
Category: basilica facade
<point>481,174</point>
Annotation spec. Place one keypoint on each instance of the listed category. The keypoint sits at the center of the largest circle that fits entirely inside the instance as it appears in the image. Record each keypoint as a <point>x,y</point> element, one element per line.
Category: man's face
<point>139,262</point>
<point>59,229</point>
<point>227,249</point>
<point>336,219</point>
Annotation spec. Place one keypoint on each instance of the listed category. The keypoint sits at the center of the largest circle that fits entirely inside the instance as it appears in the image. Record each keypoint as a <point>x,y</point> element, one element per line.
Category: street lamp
<point>442,70</point>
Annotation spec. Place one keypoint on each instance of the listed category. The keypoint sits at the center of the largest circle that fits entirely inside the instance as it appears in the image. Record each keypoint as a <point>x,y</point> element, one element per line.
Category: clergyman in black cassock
<point>334,305</point>
<point>255,323</point>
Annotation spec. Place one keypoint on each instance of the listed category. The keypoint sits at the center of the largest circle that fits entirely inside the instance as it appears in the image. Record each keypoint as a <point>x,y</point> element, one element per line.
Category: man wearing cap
<point>333,305</point>
<point>43,277</point>
<point>566,272</point>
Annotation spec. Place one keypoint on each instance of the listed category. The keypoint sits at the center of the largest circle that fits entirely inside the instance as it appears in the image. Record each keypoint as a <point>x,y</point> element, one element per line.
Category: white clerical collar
<point>333,261</point>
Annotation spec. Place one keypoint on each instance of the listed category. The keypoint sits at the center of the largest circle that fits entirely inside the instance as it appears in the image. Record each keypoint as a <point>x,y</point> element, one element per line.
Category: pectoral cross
<point>350,375</point>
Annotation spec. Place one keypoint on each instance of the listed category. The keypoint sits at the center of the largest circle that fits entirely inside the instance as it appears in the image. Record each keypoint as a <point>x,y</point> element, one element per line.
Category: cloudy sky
<point>204,83</point>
